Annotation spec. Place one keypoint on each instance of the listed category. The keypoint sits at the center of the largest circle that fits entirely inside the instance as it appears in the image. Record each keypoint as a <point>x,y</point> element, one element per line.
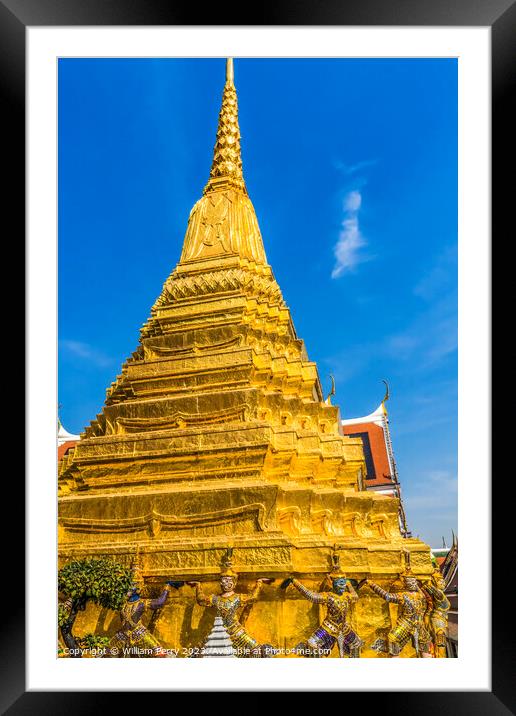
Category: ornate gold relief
<point>180,420</point>
<point>155,522</point>
<point>214,213</point>
<point>289,520</point>
<point>350,522</point>
<point>322,522</point>
<point>195,348</point>
<point>305,422</point>
<point>223,223</point>
<point>379,525</point>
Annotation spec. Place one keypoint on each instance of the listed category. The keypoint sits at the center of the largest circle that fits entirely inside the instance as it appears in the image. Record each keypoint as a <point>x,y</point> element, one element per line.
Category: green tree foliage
<point>62,615</point>
<point>101,581</point>
<point>92,642</point>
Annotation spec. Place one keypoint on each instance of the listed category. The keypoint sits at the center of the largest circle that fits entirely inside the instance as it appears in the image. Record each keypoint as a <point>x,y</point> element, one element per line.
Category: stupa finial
<point>230,76</point>
<point>226,168</point>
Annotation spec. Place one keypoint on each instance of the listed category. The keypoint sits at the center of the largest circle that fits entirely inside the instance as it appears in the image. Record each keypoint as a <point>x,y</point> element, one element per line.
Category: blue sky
<point>351,165</point>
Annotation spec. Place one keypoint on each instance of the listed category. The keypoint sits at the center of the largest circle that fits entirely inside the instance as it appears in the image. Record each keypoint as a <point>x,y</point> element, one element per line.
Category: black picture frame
<point>500,16</point>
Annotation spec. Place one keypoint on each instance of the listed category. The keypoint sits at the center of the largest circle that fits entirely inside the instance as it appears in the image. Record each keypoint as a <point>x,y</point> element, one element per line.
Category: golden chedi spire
<point>223,222</point>
<point>215,442</point>
<point>226,168</point>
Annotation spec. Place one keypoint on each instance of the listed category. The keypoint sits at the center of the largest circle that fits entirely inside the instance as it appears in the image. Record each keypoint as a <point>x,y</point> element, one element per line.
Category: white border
<point>471,671</point>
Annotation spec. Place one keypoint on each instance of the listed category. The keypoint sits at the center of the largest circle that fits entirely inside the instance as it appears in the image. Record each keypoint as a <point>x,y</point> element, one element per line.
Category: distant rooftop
<point>63,436</point>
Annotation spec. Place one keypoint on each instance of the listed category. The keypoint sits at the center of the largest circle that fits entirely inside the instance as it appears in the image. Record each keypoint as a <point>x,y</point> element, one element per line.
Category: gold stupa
<point>216,434</point>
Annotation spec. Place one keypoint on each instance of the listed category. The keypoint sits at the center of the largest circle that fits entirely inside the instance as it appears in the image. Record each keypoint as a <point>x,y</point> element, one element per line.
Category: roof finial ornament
<point>332,391</point>
<point>387,394</point>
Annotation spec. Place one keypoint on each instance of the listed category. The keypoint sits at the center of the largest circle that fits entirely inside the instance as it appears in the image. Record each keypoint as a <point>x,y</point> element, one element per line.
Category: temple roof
<point>63,436</point>
<point>449,567</point>
<point>376,417</point>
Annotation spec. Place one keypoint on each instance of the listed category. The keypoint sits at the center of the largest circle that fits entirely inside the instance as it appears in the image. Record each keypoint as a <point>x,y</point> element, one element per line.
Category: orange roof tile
<point>63,449</point>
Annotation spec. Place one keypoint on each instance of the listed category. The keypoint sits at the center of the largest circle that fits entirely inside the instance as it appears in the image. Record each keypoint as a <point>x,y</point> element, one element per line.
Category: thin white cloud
<point>354,168</point>
<point>352,362</point>
<point>431,338</point>
<point>445,343</point>
<point>401,346</point>
<point>428,405</point>
<point>353,202</point>
<point>437,490</point>
<point>424,343</point>
<point>85,352</point>
<point>347,249</point>
<point>444,479</point>
<point>441,277</point>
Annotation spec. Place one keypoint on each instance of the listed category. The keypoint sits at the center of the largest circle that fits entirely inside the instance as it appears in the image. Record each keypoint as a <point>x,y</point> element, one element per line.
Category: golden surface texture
<point>216,434</point>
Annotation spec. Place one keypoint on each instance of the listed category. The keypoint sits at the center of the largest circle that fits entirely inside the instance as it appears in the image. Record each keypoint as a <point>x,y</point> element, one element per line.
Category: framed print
<point>218,500</point>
